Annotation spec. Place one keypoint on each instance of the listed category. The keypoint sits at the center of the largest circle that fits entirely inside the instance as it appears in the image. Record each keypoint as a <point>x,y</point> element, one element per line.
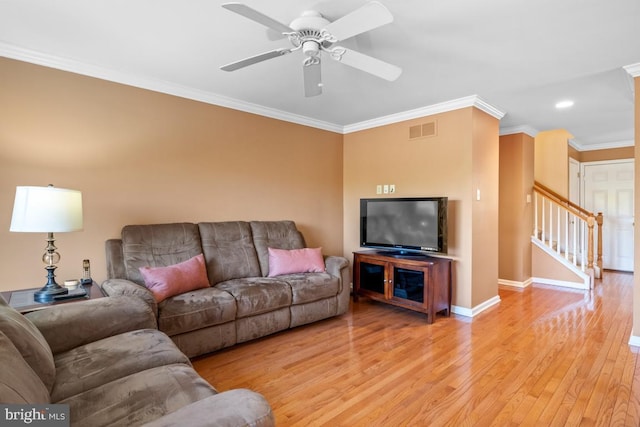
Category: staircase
<point>567,233</point>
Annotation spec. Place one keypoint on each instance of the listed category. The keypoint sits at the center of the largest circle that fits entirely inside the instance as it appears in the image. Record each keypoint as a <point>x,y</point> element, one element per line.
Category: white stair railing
<point>568,229</point>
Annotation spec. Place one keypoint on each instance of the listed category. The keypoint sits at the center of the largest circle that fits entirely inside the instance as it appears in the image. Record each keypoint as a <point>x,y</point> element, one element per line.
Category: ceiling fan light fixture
<point>311,48</point>
<point>313,34</point>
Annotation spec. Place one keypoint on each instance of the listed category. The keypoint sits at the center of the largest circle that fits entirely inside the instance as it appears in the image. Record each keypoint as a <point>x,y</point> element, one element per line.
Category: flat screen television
<point>416,224</point>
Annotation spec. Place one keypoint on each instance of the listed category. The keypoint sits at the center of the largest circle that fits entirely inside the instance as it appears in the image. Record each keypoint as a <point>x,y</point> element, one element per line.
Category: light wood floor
<point>542,357</point>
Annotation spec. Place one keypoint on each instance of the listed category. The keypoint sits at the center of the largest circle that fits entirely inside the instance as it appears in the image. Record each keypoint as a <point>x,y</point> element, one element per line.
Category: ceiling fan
<point>314,34</point>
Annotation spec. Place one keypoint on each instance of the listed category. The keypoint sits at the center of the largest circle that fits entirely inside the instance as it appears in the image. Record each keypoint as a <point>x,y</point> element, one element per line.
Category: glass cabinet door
<point>372,277</point>
<point>408,284</point>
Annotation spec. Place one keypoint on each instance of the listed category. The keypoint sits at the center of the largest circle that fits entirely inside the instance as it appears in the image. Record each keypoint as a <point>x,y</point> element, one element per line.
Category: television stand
<point>417,282</point>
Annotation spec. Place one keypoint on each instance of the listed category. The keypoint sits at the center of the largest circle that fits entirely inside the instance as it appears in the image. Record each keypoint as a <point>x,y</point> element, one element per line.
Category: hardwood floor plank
<point>543,356</point>
<point>602,402</point>
<point>633,412</point>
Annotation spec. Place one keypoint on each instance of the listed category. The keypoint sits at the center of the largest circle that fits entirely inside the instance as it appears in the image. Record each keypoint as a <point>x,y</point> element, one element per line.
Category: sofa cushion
<point>274,234</point>
<point>228,250</point>
<point>195,310</point>
<point>255,295</point>
<point>176,279</point>
<point>91,320</point>
<point>92,365</point>
<point>310,287</point>
<point>287,261</point>
<point>138,398</point>
<point>29,341</point>
<point>18,382</point>
<point>158,245</point>
<point>239,407</point>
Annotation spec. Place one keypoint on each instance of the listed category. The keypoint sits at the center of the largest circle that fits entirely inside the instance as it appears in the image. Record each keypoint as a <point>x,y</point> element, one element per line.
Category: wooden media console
<point>414,281</point>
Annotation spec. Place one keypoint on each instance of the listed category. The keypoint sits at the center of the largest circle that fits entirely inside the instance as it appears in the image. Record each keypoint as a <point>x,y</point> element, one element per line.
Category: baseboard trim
<point>561,283</point>
<point>472,312</point>
<point>515,284</point>
<point>634,340</point>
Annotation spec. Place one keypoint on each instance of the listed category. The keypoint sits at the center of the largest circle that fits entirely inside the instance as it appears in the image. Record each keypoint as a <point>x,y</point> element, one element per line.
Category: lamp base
<point>51,290</point>
<point>48,293</point>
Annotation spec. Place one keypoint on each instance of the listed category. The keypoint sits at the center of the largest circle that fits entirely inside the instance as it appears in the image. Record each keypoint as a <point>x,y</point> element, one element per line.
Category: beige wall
<point>461,158</point>
<point>485,211</point>
<point>551,167</point>
<point>573,153</point>
<point>606,154</point>
<point>545,266</point>
<point>144,157</point>
<point>516,213</point>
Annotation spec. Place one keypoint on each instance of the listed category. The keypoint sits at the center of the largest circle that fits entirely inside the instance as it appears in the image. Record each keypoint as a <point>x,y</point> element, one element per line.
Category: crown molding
<point>443,107</point>
<point>633,69</point>
<point>603,146</point>
<point>575,144</point>
<point>90,70</point>
<point>155,85</point>
<point>526,129</point>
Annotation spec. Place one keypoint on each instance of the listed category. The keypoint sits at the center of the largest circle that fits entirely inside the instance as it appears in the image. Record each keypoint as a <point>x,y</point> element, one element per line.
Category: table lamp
<point>47,210</point>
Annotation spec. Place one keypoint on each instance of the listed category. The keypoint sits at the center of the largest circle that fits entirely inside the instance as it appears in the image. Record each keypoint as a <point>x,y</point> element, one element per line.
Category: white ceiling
<point>519,56</point>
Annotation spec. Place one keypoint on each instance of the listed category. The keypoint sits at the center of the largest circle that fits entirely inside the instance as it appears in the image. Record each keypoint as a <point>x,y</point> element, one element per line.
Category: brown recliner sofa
<point>105,359</point>
<point>242,302</point>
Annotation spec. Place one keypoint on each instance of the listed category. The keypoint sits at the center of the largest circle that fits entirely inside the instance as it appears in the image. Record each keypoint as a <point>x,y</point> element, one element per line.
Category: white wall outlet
<point>478,194</point>
<point>392,188</point>
<point>378,189</point>
<point>385,189</point>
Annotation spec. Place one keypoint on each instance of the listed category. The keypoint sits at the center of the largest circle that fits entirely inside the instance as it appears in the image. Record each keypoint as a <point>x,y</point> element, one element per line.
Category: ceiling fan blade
<point>254,59</point>
<point>372,15</point>
<point>312,79</point>
<point>368,64</point>
<point>260,18</point>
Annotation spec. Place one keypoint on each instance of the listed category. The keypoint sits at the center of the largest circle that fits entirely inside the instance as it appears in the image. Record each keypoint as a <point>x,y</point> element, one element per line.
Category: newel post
<point>599,220</point>
<point>590,224</point>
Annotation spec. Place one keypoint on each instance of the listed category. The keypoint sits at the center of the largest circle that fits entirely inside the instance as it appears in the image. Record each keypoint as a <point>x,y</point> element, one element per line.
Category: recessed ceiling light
<point>564,104</point>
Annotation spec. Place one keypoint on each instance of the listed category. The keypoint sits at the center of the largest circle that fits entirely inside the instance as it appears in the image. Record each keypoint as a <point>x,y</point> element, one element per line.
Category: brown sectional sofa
<point>242,302</point>
<point>105,359</point>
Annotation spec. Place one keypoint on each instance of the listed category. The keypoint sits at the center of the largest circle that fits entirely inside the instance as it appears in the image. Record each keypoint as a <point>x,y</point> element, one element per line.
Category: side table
<point>93,291</point>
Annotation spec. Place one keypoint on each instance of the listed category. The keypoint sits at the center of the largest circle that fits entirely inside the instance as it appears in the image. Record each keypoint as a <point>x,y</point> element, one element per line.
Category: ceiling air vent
<point>423,130</point>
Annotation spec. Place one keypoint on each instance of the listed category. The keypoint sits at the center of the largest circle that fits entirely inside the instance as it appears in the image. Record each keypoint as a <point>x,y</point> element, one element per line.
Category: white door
<point>608,188</point>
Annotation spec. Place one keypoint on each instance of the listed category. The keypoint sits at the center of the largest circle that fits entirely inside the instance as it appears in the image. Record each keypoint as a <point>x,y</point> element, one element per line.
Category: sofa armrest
<point>339,267</point>
<point>123,287</point>
<point>239,407</point>
<point>67,326</point>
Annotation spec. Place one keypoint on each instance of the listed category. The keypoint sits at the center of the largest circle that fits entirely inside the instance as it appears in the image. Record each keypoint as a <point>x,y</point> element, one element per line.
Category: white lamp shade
<point>46,210</point>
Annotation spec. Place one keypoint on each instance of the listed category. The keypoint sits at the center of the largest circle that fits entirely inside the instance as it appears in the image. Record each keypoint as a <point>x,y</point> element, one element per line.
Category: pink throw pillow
<point>288,261</point>
<point>165,282</point>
